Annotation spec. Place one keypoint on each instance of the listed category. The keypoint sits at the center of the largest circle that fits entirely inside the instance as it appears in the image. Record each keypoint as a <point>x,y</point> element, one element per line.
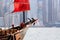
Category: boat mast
<point>24,16</point>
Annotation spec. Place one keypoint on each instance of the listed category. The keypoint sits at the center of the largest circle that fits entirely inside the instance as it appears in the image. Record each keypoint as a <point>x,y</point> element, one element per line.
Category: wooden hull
<point>19,35</point>
<point>16,33</point>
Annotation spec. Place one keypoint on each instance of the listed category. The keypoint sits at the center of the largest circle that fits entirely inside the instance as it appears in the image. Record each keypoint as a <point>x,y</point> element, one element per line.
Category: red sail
<point>22,1</point>
<point>21,5</point>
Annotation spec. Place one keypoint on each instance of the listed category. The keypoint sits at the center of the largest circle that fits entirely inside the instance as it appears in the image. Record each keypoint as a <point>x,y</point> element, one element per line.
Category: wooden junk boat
<point>16,33</point>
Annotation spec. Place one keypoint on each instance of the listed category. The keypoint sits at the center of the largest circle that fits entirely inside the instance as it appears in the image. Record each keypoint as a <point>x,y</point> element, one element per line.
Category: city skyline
<point>47,11</point>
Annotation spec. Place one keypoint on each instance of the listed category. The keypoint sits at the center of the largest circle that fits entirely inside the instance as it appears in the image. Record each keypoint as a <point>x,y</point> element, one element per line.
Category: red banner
<point>21,5</point>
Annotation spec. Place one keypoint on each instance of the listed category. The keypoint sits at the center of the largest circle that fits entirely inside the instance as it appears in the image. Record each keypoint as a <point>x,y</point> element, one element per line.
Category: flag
<point>21,5</point>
